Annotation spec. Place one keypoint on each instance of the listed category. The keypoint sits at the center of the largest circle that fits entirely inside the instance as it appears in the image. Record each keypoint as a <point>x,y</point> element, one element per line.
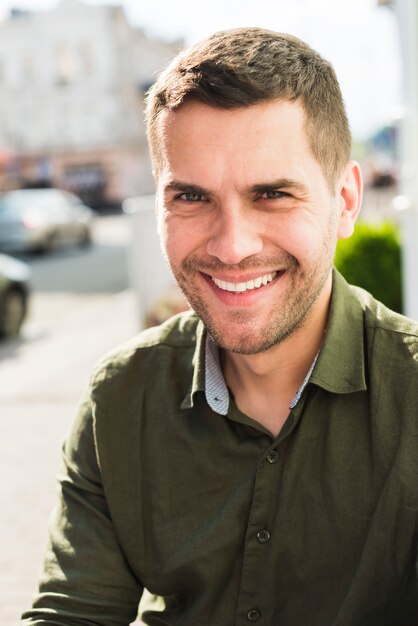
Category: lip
<point>244,298</point>
<point>242,278</point>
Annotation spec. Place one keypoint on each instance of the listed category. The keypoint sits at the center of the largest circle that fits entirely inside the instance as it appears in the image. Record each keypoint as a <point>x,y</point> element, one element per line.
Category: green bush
<point>371,258</point>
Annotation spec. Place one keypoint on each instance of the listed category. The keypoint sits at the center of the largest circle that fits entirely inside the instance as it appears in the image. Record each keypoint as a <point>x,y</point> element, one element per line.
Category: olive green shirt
<point>316,527</point>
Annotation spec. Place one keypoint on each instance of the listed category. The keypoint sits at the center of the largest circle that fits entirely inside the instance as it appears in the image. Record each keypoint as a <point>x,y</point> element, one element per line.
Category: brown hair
<point>245,66</point>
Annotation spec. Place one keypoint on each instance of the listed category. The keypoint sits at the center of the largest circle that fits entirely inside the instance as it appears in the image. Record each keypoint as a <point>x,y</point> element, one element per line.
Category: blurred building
<point>72,83</point>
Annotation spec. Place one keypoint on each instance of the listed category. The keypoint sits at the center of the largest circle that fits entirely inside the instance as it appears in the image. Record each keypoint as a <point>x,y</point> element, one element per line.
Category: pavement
<point>41,380</point>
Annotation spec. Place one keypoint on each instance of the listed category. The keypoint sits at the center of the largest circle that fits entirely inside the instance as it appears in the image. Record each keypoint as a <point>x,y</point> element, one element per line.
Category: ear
<point>349,197</point>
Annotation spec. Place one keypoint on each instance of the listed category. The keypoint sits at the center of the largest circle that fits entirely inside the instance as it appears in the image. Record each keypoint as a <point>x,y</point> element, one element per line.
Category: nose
<point>236,235</point>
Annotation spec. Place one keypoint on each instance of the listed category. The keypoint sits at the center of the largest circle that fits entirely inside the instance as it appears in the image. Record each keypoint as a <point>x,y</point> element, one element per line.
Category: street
<point>81,308</point>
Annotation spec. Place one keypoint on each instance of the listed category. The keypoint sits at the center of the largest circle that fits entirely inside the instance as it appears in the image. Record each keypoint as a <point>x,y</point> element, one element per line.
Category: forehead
<point>194,119</point>
<point>262,137</point>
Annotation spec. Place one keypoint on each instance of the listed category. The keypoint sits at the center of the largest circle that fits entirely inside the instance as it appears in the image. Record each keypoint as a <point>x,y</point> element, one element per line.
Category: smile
<point>247,286</point>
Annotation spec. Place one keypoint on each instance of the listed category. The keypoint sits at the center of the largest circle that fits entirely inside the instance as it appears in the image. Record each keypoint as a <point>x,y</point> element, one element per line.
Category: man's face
<point>247,220</point>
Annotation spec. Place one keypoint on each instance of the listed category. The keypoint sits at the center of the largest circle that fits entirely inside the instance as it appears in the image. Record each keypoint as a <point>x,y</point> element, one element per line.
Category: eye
<point>274,194</point>
<point>191,196</point>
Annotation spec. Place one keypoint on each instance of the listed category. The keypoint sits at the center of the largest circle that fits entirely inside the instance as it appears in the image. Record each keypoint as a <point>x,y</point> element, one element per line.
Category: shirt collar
<point>198,364</point>
<point>341,363</point>
<point>216,391</point>
<point>207,375</point>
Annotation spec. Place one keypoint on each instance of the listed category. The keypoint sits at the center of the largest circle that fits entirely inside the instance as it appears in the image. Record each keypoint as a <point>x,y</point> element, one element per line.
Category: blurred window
<point>28,67</point>
<point>84,177</point>
<point>87,60</point>
<point>65,64</point>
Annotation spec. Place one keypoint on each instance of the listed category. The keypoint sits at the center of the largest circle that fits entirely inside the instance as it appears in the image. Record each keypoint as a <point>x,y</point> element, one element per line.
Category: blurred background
<point>79,260</point>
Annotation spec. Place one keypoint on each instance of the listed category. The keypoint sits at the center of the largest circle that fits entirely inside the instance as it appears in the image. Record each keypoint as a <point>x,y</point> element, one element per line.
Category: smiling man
<point>255,459</point>
<point>249,224</point>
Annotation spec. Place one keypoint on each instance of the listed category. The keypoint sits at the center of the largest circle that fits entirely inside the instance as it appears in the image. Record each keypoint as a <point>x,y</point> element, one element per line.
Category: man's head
<point>242,67</point>
<point>254,185</point>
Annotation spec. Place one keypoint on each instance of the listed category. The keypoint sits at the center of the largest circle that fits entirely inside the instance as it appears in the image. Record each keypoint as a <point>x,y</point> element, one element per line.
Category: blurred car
<point>14,295</point>
<point>43,220</point>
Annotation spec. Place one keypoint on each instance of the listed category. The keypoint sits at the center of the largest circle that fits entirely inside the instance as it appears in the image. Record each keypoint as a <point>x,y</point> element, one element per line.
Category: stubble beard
<point>295,305</point>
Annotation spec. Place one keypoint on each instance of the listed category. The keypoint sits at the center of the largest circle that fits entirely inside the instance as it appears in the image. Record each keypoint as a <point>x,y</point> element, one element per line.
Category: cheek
<point>290,234</point>
<point>304,239</point>
<point>180,237</point>
<point>185,233</point>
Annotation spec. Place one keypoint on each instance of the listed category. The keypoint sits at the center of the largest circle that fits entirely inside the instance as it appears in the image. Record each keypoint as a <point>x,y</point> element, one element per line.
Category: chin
<point>253,341</point>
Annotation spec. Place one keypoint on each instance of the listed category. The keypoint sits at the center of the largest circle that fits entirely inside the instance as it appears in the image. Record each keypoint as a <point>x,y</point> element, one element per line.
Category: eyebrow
<point>275,185</point>
<point>178,185</point>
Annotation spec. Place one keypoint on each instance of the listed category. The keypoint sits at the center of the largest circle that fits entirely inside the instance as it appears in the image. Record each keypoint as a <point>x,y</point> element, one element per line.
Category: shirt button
<point>273,456</point>
<point>254,615</point>
<point>263,536</point>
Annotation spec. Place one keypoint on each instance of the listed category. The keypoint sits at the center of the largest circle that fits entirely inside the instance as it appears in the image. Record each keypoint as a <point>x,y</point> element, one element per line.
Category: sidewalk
<point>41,381</point>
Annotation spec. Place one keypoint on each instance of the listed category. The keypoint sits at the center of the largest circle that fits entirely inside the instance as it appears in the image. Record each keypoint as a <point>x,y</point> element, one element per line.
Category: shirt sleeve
<point>86,578</point>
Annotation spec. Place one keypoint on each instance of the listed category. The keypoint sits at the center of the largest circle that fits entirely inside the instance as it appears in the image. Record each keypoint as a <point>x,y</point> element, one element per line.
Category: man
<point>255,460</point>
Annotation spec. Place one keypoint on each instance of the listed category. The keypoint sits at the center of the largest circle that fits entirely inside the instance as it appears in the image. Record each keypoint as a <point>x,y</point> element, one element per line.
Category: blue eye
<point>273,195</point>
<point>191,196</point>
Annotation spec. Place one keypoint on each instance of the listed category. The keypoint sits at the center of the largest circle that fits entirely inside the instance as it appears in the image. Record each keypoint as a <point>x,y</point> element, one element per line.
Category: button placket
<point>252,595</point>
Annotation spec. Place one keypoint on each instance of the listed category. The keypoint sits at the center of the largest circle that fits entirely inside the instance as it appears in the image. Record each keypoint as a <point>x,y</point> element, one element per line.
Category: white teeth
<point>248,286</point>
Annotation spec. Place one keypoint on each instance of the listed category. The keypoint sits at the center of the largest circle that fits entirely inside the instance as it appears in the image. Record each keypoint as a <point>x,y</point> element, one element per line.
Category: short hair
<point>240,67</point>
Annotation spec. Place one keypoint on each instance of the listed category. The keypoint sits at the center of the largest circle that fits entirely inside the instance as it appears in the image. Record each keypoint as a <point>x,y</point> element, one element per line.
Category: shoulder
<point>377,317</point>
<point>392,346</point>
<point>151,348</point>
